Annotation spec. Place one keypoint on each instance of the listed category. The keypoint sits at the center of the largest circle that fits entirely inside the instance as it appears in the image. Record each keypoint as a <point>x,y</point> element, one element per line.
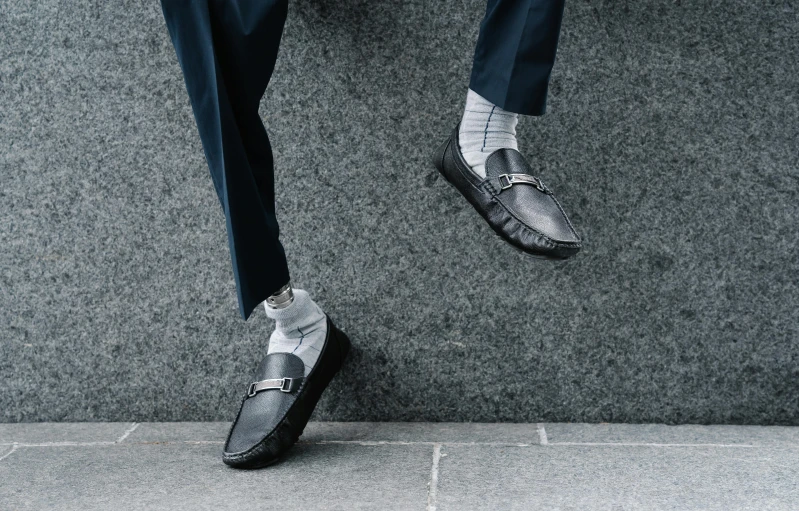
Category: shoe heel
<point>438,157</point>
<point>343,343</point>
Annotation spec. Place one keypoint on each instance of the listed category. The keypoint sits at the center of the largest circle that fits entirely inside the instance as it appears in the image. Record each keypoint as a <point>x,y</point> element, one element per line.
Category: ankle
<point>300,311</point>
<point>485,128</point>
<point>281,298</point>
<point>300,329</point>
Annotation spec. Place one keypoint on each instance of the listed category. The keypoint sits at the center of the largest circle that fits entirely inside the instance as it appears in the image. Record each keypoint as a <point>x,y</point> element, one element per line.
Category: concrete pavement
<point>413,466</point>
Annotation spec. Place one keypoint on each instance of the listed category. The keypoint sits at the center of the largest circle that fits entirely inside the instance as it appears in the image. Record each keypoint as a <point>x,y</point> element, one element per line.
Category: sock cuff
<point>477,107</point>
<point>297,314</point>
<point>473,98</point>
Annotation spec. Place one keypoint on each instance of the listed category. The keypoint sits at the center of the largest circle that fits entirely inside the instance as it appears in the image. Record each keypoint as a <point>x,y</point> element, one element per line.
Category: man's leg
<point>510,76</point>
<point>227,50</point>
<point>515,53</point>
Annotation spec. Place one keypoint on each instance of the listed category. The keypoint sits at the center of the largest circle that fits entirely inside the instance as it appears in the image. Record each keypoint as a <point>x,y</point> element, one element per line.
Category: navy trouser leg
<point>227,51</point>
<point>515,53</point>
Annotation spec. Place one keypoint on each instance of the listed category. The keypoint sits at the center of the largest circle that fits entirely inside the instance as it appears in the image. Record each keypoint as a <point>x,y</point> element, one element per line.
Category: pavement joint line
<point>399,442</point>
<point>432,491</point>
<point>6,455</point>
<point>306,442</point>
<point>63,444</point>
<point>644,444</point>
<point>127,432</point>
<point>93,444</point>
<point>386,442</point>
<point>542,434</point>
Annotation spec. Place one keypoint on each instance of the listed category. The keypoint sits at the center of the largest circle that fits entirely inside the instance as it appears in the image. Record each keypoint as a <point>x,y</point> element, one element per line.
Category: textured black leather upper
<point>527,217</point>
<point>530,205</point>
<point>271,421</point>
<point>262,412</point>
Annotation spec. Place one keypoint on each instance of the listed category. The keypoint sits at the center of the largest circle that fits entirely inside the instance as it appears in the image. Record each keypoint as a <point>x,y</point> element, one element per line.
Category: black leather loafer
<point>278,403</point>
<point>516,204</point>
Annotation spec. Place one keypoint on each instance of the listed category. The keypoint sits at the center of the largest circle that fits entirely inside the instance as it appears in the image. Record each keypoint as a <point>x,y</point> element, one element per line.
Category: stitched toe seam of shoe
<point>245,454</point>
<point>493,192</point>
<point>487,183</point>
<point>557,203</point>
<point>251,450</point>
<point>544,237</point>
<point>300,392</point>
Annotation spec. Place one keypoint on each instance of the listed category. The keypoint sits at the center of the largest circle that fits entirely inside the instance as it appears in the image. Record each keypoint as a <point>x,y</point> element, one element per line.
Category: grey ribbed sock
<point>485,128</point>
<point>300,329</point>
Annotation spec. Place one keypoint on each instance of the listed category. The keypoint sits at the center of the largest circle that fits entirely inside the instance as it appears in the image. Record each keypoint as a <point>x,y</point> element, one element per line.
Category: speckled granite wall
<point>671,138</point>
